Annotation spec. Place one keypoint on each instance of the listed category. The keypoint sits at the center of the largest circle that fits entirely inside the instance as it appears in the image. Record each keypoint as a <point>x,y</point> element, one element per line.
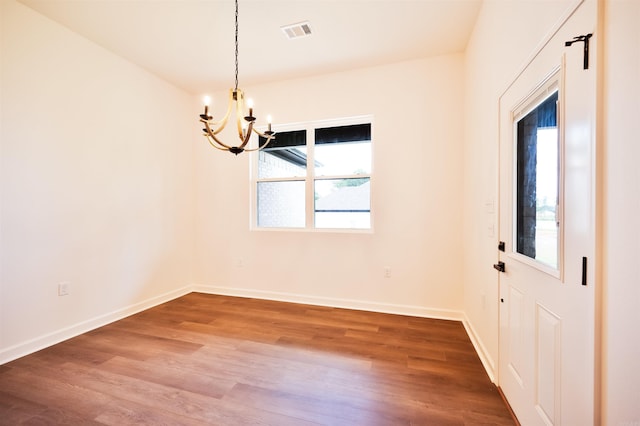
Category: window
<point>315,176</point>
<point>537,186</point>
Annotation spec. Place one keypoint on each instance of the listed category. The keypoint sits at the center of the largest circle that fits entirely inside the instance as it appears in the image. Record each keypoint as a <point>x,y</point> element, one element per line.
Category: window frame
<point>554,82</point>
<point>310,178</point>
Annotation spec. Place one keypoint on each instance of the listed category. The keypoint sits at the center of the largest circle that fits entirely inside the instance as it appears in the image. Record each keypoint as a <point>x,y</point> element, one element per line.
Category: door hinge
<point>585,50</point>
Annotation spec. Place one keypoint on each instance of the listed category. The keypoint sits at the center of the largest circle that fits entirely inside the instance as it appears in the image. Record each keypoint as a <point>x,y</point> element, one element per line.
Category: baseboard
<point>387,308</point>
<point>58,336</point>
<point>482,352</point>
<point>41,342</point>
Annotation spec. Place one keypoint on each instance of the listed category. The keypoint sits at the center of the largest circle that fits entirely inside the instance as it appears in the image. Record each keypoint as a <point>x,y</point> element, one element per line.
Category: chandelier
<point>244,123</point>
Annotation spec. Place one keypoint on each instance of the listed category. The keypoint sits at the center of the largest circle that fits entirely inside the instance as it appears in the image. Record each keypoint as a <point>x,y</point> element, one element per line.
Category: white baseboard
<point>482,352</point>
<point>41,342</point>
<point>387,308</point>
<point>33,345</point>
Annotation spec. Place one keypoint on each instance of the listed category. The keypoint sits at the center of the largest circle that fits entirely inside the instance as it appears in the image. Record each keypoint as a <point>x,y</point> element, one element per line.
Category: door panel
<point>517,351</point>
<point>547,317</point>
<point>548,361</point>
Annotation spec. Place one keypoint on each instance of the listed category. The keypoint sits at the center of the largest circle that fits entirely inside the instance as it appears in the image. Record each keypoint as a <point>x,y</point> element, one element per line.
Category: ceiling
<point>190,43</point>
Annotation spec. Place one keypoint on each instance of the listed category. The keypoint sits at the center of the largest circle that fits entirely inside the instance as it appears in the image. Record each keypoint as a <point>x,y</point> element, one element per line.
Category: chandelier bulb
<point>250,105</point>
<point>205,116</point>
<point>250,118</point>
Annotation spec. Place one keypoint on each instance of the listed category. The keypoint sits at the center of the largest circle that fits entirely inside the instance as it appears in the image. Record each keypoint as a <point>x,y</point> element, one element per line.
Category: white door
<point>547,224</point>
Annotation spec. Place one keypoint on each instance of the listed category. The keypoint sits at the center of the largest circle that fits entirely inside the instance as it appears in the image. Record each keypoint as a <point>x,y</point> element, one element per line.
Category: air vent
<point>301,29</point>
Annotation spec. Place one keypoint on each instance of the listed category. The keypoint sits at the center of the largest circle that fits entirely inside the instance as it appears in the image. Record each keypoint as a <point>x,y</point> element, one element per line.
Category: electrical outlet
<point>387,272</point>
<point>63,288</point>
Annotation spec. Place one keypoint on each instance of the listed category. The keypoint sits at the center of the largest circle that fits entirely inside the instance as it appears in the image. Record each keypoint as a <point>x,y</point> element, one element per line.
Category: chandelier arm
<point>240,113</point>
<point>210,133</point>
<point>246,138</point>
<point>222,123</point>
<point>216,124</point>
<point>260,147</point>
<point>213,124</point>
<point>268,137</point>
<point>218,141</point>
<point>214,144</point>
<point>219,125</point>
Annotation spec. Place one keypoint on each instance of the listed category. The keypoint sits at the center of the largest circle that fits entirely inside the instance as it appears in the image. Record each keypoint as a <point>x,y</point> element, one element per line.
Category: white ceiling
<point>190,43</point>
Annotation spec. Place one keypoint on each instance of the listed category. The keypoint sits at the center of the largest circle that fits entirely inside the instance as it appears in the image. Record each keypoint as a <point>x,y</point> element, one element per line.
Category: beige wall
<point>416,197</point>
<point>621,244</point>
<point>95,181</point>
<point>492,59</point>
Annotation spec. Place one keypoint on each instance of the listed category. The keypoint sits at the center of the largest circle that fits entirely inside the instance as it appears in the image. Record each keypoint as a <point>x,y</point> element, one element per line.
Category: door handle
<point>499,266</point>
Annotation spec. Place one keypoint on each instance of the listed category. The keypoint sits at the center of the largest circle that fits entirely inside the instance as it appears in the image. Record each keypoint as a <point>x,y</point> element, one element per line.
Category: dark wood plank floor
<point>214,360</point>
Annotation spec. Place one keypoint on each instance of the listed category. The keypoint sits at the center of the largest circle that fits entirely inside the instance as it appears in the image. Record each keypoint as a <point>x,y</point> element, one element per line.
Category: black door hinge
<point>585,40</point>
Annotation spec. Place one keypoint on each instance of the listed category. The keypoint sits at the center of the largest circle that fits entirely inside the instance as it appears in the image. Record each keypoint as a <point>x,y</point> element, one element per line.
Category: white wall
<point>621,249</point>
<point>95,184</point>
<point>505,36</point>
<point>416,197</point>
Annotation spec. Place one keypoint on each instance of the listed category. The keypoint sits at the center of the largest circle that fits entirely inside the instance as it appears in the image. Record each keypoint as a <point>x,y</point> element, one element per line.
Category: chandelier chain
<point>236,46</point>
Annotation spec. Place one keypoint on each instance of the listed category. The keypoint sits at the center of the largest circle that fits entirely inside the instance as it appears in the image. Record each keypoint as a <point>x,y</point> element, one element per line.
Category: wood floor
<point>214,360</point>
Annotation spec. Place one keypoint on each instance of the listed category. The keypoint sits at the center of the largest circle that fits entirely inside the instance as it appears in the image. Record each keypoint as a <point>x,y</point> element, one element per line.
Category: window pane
<point>343,150</point>
<point>281,204</point>
<point>282,163</point>
<point>343,159</point>
<point>537,183</point>
<point>343,203</point>
<point>285,156</point>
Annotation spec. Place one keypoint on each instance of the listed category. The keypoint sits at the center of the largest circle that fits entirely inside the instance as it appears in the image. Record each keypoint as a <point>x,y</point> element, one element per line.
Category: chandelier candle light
<point>244,123</point>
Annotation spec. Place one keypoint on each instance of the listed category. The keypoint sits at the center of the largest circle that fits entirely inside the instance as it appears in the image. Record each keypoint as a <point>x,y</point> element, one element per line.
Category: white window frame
<point>310,177</point>
<point>554,82</point>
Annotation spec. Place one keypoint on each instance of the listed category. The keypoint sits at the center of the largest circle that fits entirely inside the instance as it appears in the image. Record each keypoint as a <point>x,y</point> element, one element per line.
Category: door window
<point>538,175</point>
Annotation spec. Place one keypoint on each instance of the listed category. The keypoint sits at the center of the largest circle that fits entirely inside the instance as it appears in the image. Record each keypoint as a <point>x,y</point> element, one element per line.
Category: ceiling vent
<point>301,29</point>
